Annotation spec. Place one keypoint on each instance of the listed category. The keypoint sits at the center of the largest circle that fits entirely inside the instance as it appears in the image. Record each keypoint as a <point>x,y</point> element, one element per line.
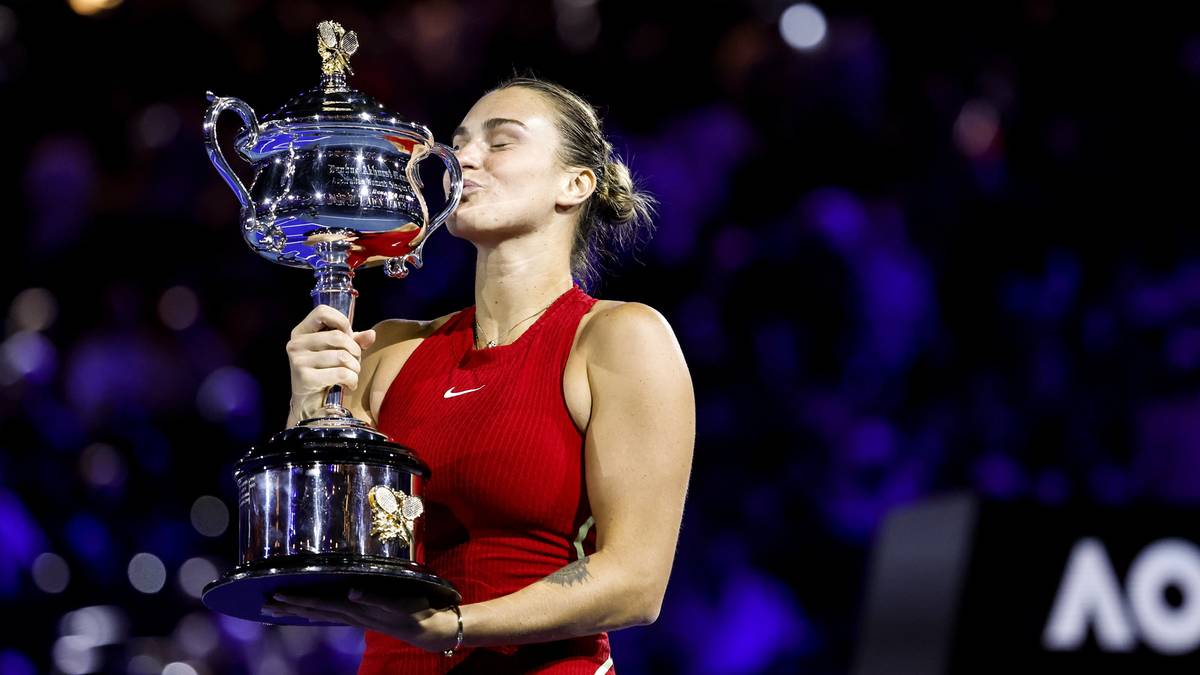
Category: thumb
<point>366,338</point>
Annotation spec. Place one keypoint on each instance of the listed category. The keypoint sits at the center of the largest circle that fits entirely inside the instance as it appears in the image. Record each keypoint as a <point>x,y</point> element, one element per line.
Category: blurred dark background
<point>907,250</point>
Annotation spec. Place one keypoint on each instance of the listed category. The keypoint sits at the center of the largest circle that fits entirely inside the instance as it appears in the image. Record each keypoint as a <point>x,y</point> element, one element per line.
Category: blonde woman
<point>559,428</point>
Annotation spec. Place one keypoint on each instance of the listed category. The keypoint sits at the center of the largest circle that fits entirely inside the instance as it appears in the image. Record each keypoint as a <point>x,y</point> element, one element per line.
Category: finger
<point>309,602</point>
<point>332,317</point>
<point>324,341</point>
<point>331,340</point>
<point>284,609</point>
<point>328,377</point>
<point>339,339</point>
<point>390,604</point>
<point>363,617</point>
<point>321,318</point>
<point>318,380</point>
<point>366,338</point>
<point>329,358</point>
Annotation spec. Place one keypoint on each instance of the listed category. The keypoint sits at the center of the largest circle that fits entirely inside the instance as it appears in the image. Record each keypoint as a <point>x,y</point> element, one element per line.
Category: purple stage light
<point>756,615</point>
<point>13,662</point>
<point>838,215</point>
<point>22,542</point>
<point>90,540</point>
<point>59,182</point>
<point>689,168</point>
<point>999,475</point>
<point>30,356</point>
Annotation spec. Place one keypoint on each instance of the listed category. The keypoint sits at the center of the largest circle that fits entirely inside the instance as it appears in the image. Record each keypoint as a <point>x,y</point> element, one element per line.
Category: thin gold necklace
<point>493,343</point>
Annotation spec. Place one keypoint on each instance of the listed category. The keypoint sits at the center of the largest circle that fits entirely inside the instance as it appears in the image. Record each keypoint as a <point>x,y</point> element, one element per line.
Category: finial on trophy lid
<point>335,46</point>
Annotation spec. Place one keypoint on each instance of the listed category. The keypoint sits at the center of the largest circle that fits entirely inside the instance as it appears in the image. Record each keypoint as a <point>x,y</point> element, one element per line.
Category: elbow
<point>649,615</point>
<point>648,605</point>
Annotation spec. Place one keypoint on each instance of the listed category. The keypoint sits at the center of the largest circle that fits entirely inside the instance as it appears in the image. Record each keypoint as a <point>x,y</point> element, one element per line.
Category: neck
<point>514,279</point>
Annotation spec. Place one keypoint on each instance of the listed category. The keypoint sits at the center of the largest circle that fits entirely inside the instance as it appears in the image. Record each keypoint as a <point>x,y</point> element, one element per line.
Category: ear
<point>578,184</point>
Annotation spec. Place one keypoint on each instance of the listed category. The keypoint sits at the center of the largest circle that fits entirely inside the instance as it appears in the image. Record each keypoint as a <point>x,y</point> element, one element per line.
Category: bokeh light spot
<point>51,574</point>
<point>210,516</point>
<point>147,573</point>
<point>803,26</point>
<point>195,574</point>
<point>178,307</point>
<point>33,309</point>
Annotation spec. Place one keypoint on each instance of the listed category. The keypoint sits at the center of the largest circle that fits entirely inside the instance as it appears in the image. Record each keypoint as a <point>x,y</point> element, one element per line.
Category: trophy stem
<point>334,83</point>
<point>335,287</point>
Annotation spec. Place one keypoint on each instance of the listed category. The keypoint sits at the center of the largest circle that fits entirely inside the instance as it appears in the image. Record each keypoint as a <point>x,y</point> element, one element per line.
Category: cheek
<point>533,187</point>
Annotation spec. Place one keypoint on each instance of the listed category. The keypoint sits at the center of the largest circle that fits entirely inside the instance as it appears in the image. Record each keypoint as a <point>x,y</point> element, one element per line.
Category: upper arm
<point>639,440</point>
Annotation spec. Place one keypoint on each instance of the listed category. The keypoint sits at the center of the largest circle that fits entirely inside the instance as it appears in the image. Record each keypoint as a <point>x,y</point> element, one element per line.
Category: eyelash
<point>456,148</point>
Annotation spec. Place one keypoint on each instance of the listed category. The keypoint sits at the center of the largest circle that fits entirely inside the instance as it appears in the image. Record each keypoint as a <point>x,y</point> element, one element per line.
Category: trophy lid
<point>332,101</point>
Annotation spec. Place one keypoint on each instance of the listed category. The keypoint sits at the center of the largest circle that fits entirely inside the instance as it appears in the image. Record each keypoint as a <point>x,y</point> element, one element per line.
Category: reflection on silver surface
<point>317,508</point>
<point>333,164</point>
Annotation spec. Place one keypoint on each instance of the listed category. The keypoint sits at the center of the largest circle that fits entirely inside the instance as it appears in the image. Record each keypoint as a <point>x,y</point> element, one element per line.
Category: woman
<point>559,428</point>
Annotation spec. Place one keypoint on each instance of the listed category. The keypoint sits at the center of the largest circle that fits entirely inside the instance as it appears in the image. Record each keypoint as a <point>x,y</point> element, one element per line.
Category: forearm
<point>588,596</point>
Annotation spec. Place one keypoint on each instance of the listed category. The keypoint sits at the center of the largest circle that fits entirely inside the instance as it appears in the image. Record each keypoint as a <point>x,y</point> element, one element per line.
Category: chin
<point>464,226</point>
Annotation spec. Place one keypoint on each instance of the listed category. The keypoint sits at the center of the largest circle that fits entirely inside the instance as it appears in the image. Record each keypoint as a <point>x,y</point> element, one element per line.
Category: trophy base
<point>242,592</point>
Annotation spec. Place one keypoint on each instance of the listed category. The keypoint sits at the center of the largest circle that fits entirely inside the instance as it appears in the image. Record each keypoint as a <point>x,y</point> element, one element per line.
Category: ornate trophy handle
<point>220,104</point>
<point>398,267</point>
<point>447,156</point>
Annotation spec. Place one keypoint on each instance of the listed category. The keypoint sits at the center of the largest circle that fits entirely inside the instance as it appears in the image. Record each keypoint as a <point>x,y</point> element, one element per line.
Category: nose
<point>468,154</point>
<point>468,159</point>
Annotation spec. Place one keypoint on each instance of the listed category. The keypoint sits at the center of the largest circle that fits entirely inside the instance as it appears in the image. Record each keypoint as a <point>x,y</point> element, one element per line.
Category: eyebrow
<point>490,125</point>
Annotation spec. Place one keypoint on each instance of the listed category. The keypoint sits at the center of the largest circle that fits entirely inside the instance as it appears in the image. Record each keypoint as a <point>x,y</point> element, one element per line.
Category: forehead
<point>515,103</point>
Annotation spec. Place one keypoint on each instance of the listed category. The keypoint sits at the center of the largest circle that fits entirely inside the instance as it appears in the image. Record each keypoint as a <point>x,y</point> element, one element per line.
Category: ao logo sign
<point>1090,598</point>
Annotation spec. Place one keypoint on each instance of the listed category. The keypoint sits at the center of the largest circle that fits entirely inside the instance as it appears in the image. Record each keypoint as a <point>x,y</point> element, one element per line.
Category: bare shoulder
<point>392,332</point>
<point>395,341</point>
<point>630,366</point>
<point>617,328</point>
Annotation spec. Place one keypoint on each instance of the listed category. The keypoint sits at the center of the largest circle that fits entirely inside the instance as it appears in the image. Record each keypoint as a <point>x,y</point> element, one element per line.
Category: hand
<point>324,351</point>
<point>409,619</point>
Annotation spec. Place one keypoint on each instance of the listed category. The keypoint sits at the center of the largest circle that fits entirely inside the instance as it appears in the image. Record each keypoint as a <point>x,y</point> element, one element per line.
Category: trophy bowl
<point>331,503</point>
<point>333,165</point>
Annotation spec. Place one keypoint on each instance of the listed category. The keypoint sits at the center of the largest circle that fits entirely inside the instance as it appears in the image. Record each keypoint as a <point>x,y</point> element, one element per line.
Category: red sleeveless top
<point>505,504</point>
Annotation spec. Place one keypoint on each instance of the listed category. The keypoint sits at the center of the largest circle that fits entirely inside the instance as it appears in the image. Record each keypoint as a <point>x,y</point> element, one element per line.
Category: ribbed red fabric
<point>506,503</point>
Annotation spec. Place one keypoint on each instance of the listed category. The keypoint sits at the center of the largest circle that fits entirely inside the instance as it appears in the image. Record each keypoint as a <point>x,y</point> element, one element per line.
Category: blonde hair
<point>618,214</point>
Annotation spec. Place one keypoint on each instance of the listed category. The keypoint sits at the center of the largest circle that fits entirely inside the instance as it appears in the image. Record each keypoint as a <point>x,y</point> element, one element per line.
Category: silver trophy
<point>330,503</point>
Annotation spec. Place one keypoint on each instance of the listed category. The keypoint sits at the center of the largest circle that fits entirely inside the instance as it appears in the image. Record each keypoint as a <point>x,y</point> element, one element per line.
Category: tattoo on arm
<point>572,573</point>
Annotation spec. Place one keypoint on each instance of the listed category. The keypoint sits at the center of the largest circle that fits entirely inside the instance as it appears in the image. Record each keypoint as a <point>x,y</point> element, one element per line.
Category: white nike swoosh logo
<point>450,393</point>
